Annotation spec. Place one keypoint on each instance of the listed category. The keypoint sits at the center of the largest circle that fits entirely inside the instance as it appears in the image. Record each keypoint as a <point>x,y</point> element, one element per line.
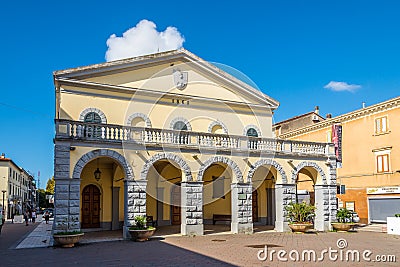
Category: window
<point>92,131</point>
<point>252,132</point>
<point>180,126</point>
<point>381,125</point>
<point>382,162</point>
<point>218,186</point>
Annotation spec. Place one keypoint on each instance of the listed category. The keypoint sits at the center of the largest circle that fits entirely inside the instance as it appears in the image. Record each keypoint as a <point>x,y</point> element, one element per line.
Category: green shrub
<point>343,215</point>
<point>300,212</point>
<point>141,224</point>
<point>397,215</point>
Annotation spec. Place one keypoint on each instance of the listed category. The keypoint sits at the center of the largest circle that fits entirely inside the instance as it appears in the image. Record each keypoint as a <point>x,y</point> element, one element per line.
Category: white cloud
<point>342,86</point>
<point>143,39</point>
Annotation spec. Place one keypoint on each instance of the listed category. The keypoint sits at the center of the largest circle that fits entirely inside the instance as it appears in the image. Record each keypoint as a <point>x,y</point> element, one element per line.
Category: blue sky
<point>290,49</point>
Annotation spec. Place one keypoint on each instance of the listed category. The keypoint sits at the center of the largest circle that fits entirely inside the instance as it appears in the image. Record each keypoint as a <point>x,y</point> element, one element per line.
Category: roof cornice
<point>389,104</point>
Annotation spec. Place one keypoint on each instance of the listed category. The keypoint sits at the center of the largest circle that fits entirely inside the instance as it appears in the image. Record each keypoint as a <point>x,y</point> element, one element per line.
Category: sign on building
<point>337,141</point>
<point>383,190</point>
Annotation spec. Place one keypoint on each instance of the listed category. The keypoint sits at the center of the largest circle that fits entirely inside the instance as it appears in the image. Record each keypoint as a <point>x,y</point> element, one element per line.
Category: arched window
<point>182,137</point>
<point>92,131</point>
<point>180,126</point>
<point>92,117</point>
<point>252,132</point>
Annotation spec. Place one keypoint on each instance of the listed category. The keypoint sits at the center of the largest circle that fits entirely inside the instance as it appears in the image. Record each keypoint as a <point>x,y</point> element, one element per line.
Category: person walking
<point>26,217</point>
<point>46,216</point>
<point>33,216</point>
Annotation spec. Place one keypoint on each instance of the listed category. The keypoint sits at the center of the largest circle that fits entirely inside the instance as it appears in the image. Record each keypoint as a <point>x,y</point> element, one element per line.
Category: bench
<point>150,221</point>
<point>221,217</point>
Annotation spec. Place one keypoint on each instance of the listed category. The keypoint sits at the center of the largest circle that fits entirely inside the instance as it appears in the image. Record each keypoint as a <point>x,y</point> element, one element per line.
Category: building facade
<point>369,151</point>
<point>17,187</point>
<point>172,136</point>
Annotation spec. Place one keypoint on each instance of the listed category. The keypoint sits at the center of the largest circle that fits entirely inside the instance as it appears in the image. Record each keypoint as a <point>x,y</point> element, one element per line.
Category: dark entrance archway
<point>91,207</point>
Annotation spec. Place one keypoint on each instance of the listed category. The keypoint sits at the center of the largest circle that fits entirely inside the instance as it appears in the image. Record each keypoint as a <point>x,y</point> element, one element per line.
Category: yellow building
<point>370,168</point>
<point>17,187</point>
<point>172,136</point>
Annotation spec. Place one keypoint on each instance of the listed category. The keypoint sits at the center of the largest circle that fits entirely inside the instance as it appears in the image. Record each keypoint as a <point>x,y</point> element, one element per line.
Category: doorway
<point>91,207</point>
<point>255,205</point>
<point>176,204</point>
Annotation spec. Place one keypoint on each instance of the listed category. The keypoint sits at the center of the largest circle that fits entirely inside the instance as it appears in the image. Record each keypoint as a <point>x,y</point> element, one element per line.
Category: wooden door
<point>176,205</point>
<point>91,207</point>
<point>255,205</point>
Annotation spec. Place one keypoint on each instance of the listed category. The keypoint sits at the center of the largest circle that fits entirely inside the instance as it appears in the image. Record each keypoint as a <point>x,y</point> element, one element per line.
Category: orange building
<point>368,145</point>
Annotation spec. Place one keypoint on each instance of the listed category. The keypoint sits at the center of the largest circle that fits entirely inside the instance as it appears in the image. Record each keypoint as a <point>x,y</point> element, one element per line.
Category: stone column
<point>242,217</point>
<point>135,203</point>
<point>284,194</point>
<point>67,205</point>
<point>67,192</point>
<point>325,204</point>
<point>192,208</point>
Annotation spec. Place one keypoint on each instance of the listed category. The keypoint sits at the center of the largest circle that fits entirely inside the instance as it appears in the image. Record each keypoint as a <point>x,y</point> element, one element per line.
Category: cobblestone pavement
<point>242,250</point>
<point>216,248</point>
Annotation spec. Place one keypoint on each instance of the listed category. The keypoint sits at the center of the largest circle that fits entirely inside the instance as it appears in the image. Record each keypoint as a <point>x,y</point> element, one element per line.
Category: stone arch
<point>95,110</point>
<point>269,162</point>
<point>215,123</point>
<point>308,164</point>
<point>169,156</point>
<point>94,154</point>
<point>235,168</point>
<point>139,115</point>
<point>182,119</point>
<point>251,126</point>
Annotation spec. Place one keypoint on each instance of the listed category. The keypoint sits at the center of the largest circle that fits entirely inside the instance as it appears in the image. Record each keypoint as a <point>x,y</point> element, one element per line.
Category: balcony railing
<point>76,130</point>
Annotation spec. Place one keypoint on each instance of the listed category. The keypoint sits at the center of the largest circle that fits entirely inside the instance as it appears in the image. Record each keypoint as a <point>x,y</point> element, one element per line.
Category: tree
<point>42,198</point>
<point>50,186</point>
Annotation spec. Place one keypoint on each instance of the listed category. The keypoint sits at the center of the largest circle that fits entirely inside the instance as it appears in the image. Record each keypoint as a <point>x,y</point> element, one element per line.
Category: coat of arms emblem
<point>180,79</point>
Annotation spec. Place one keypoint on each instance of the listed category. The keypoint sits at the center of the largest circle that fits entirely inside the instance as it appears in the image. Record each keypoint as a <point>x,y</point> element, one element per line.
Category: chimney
<point>316,109</point>
<point>329,116</point>
<point>363,104</point>
<point>3,155</point>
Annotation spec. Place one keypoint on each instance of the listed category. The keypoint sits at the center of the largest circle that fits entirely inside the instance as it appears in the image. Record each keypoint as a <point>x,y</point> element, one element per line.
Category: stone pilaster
<point>61,161</point>
<point>192,208</point>
<point>325,204</point>
<point>66,204</point>
<point>284,194</point>
<point>242,218</point>
<point>135,203</point>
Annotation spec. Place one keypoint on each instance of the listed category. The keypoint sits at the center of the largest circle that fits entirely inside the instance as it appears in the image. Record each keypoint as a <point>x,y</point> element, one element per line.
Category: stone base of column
<point>125,233</point>
<point>322,226</point>
<point>241,228</point>
<point>192,229</point>
<point>281,226</point>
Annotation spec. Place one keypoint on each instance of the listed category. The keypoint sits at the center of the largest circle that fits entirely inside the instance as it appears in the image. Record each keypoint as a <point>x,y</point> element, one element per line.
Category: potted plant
<point>300,216</point>
<point>140,231</point>
<point>344,221</point>
<point>69,236</point>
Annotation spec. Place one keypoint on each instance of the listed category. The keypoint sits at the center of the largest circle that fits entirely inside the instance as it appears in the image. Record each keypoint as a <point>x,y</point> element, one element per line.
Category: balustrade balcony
<point>82,131</point>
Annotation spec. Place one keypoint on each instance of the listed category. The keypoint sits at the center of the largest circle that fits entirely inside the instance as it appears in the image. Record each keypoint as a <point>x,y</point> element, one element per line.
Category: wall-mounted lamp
<point>97,172</point>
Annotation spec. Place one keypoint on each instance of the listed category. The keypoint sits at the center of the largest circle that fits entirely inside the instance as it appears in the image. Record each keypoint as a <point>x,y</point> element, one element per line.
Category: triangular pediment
<point>165,72</point>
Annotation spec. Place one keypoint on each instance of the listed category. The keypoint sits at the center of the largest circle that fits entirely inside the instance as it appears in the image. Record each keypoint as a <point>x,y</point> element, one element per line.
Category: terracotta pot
<point>300,227</point>
<point>67,241</point>
<point>343,227</point>
<point>141,235</point>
